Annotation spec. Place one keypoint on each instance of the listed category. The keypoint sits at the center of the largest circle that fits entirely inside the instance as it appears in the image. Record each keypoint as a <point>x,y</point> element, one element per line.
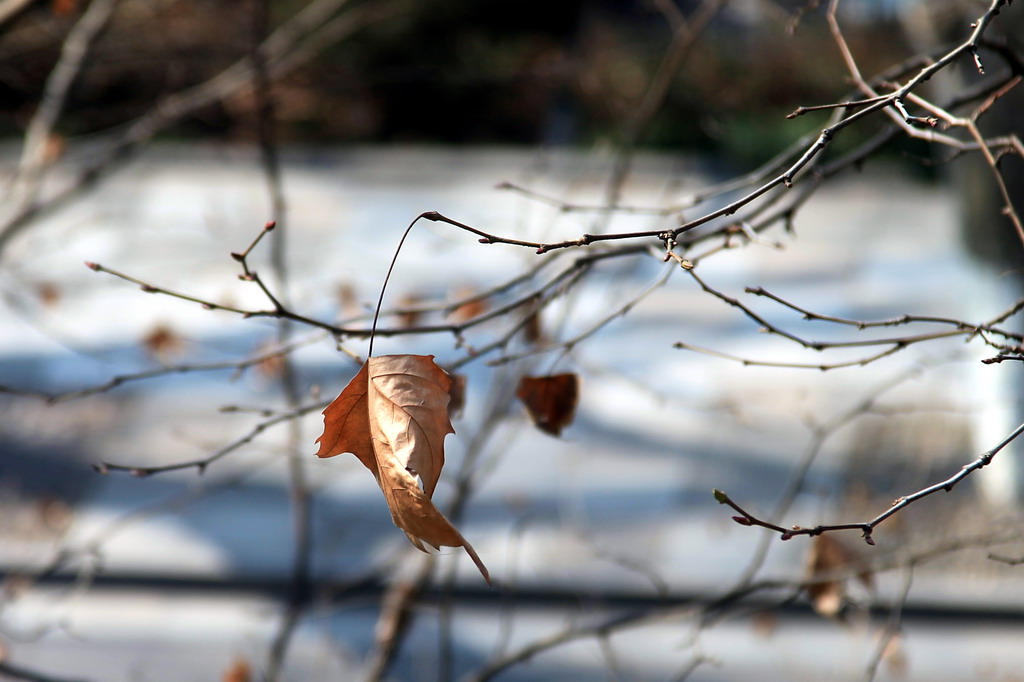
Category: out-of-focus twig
<point>201,464</point>
<point>307,33</point>
<point>685,34</point>
<point>15,672</point>
<point>74,50</point>
<point>238,366</point>
<point>301,497</point>
<point>890,632</point>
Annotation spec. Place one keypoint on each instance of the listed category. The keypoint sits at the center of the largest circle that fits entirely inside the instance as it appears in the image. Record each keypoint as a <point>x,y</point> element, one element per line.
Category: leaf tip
<point>478,561</point>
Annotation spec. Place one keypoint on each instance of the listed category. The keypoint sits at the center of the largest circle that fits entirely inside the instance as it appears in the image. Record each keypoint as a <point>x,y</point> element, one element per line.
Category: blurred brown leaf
<point>55,144</point>
<point>238,671</point>
<point>393,416</point>
<point>895,656</point>
<point>473,307</point>
<point>550,400</point>
<point>828,556</point>
<point>409,316</point>
<point>533,332</point>
<point>54,513</point>
<point>162,342</point>
<point>456,394</point>
<point>348,299</point>
<point>765,623</point>
<point>63,8</point>
<point>48,293</point>
<point>271,366</point>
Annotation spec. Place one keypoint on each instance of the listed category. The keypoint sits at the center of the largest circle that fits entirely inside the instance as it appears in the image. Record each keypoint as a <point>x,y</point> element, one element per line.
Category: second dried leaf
<point>550,400</point>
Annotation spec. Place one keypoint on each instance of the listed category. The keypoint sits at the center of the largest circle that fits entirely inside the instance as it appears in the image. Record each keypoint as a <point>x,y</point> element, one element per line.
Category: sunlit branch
<point>822,367</point>
<point>898,321</point>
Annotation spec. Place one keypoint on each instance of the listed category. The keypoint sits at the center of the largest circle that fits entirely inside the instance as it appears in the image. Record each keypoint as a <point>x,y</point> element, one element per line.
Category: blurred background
<point>162,516</point>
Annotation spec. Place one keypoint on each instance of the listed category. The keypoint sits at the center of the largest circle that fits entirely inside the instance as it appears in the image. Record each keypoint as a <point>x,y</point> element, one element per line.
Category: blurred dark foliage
<point>455,72</point>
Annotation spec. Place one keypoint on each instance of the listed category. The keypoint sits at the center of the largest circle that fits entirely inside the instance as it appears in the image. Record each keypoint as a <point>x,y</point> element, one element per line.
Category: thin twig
<point>201,464</point>
<point>867,527</point>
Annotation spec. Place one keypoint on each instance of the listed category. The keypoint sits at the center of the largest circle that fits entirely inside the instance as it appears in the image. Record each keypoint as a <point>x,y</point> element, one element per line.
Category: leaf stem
<point>383,288</point>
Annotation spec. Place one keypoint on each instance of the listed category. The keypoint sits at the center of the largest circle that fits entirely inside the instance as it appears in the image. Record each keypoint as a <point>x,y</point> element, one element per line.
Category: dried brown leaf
<point>393,416</point>
<point>550,400</point>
